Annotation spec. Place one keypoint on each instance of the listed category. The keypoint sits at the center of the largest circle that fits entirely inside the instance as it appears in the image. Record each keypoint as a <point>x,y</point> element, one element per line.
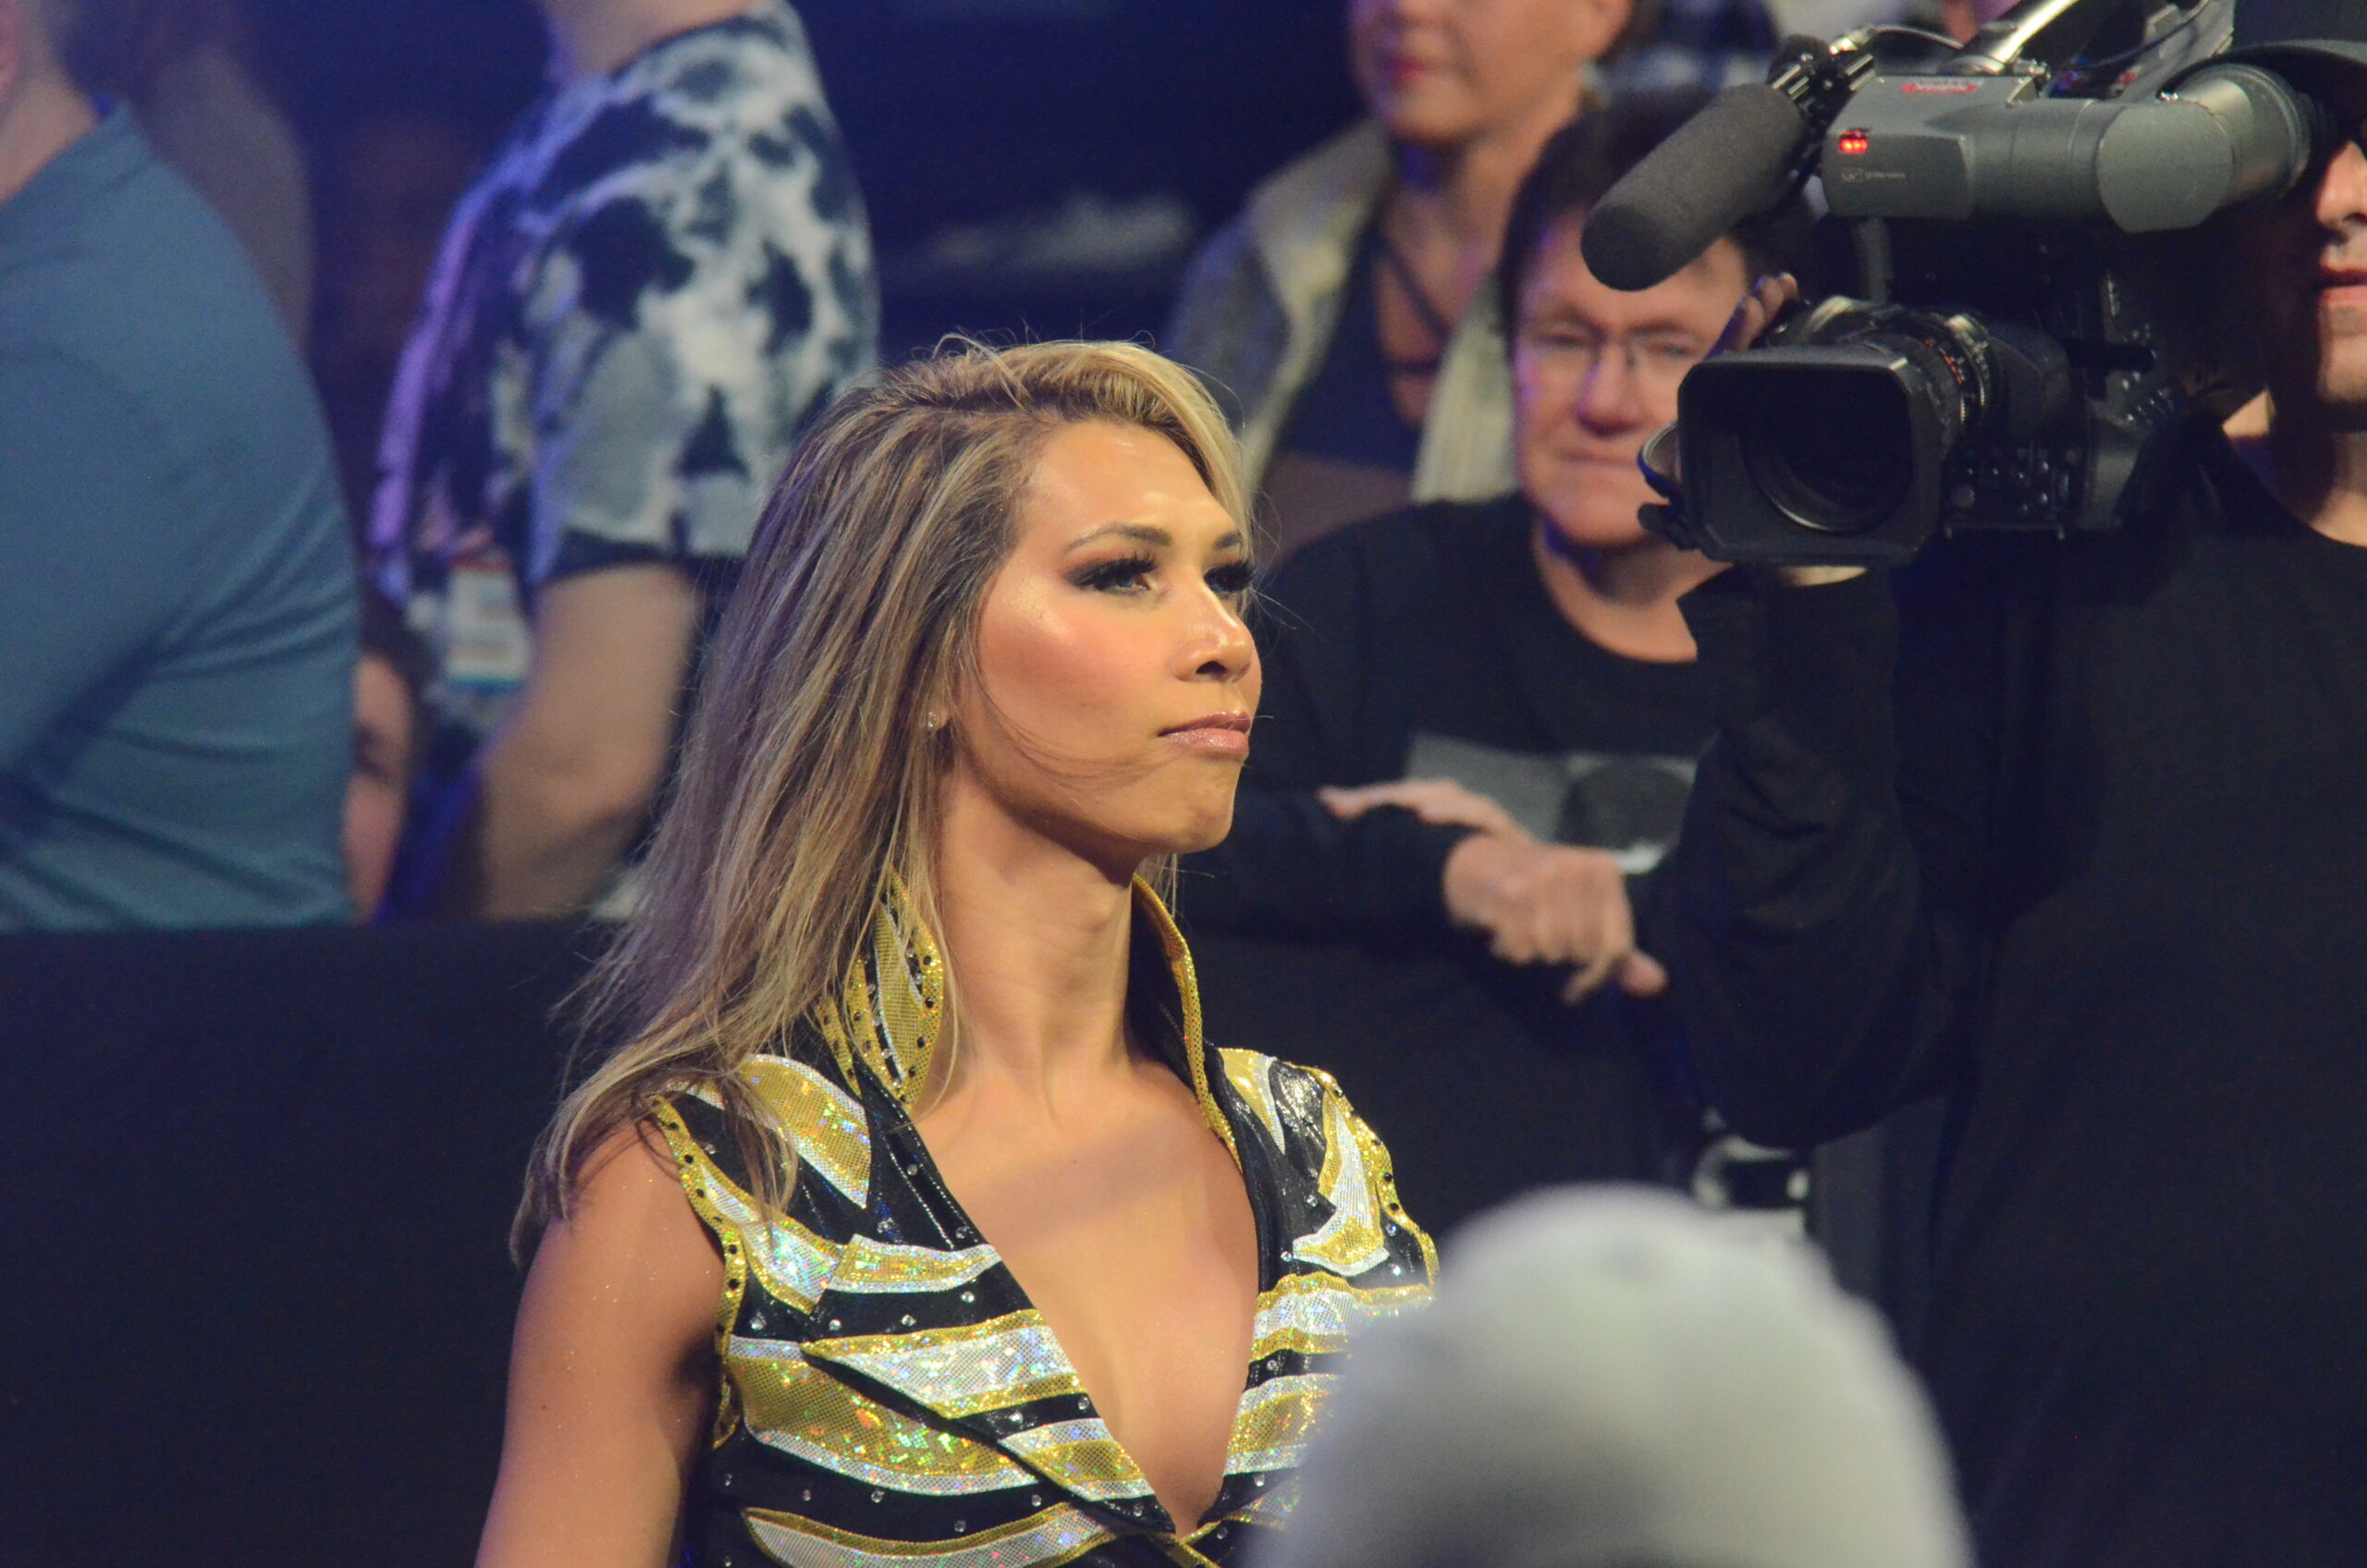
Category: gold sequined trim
<point>692,1169</point>
<point>959,1372</point>
<point>799,1409</point>
<point>1059,1534</point>
<point>824,1124</point>
<point>1247,1071</point>
<point>1351,1241</point>
<point>1187,986</point>
<point>892,1001</point>
<point>1082,1456</point>
<point>1314,1313</point>
<point>791,1263</point>
<point>1382,1173</point>
<point>1276,1418</point>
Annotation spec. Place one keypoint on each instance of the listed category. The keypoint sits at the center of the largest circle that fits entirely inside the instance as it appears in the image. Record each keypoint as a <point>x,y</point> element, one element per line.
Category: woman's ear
<point>1598,25</point>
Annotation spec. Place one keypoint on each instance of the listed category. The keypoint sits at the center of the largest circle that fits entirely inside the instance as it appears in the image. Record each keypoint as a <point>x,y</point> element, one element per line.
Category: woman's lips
<point>2343,285</point>
<point>1217,735</point>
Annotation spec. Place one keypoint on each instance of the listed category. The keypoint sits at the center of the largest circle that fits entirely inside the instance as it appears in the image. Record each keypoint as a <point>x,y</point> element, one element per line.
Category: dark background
<point>957,111</point>
<point>254,1187</point>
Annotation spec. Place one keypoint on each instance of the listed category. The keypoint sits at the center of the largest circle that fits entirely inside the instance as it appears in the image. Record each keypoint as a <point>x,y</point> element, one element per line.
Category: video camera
<point>2023,346</point>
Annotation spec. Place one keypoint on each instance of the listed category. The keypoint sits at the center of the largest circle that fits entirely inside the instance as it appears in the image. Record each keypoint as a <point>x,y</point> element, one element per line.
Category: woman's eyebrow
<point>1140,532</point>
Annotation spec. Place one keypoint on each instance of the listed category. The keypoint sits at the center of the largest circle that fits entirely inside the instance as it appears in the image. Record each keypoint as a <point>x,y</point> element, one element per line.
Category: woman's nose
<point>1221,645</point>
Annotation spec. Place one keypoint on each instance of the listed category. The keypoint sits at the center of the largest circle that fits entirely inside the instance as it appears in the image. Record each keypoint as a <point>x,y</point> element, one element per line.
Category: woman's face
<point>1116,681</point>
<point>1596,371</point>
<point>1443,73</point>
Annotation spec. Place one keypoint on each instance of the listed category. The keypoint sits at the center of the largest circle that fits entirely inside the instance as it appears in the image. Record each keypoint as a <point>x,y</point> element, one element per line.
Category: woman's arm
<point>611,1375</point>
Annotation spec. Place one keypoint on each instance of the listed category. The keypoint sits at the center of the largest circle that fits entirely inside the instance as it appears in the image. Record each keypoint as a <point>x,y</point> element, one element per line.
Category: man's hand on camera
<point>1765,301</point>
<point>1440,800</point>
<point>1551,903</point>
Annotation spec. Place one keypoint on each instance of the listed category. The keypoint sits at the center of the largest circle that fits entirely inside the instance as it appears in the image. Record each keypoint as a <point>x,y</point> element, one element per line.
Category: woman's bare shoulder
<point>630,1235</point>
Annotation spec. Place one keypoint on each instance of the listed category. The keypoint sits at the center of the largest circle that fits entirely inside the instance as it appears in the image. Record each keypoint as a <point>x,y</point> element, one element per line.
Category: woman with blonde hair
<point>913,1221</point>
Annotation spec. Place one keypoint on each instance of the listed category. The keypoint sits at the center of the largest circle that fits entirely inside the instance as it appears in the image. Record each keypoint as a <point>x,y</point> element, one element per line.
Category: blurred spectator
<point>1342,318</point>
<point>177,615</point>
<point>1483,717</point>
<point>393,178</point>
<point>389,721</point>
<point>1613,1379</point>
<point>1709,44</point>
<point>663,272</point>
<point>186,67</point>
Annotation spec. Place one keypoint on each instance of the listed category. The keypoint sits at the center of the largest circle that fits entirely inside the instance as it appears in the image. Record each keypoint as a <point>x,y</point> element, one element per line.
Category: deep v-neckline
<point>911,1151</point>
<point>882,1029</point>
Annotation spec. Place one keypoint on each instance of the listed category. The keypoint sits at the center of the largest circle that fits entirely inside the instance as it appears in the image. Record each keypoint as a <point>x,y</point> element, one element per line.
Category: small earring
<point>933,722</point>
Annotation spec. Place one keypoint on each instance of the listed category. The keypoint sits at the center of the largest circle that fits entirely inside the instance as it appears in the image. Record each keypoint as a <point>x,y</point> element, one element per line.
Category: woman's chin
<point>1598,525</point>
<point>1201,828</point>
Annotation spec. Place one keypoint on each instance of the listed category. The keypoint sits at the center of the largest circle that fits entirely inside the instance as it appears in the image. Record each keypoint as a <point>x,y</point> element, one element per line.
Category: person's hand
<point>1759,307</point>
<point>1439,800</point>
<point>1551,903</point>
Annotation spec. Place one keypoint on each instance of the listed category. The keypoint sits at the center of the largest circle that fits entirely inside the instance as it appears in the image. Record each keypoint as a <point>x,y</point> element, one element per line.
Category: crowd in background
<point>502,420</point>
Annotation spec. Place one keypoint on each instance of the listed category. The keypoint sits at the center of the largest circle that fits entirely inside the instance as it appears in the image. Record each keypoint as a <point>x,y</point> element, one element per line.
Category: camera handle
<point>1869,241</point>
<point>2048,34</point>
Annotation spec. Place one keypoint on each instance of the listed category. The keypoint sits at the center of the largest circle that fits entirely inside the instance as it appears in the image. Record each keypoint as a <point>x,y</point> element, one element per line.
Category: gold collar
<point>890,1007</point>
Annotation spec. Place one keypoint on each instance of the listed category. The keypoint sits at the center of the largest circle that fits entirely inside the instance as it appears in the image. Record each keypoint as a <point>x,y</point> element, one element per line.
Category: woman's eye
<point>1231,577</point>
<point>1125,573</point>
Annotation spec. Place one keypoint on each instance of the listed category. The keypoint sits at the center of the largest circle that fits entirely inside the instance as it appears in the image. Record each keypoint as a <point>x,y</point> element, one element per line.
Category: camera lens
<point>1832,459</point>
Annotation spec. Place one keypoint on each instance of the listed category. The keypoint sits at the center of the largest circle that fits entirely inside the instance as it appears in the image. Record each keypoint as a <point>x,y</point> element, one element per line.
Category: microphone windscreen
<point>1730,162</point>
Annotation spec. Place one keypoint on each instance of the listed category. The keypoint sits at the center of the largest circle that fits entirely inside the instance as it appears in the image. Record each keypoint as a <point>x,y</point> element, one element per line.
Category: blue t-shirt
<point>177,620</point>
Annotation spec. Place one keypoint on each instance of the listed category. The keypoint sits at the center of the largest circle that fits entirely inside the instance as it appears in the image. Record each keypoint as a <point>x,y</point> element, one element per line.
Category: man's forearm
<point>1817,979</point>
<point>1290,868</point>
<point>568,781</point>
<point>547,833</point>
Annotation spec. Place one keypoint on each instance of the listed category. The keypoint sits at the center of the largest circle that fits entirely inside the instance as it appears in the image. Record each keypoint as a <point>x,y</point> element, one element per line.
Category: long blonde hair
<point>806,775</point>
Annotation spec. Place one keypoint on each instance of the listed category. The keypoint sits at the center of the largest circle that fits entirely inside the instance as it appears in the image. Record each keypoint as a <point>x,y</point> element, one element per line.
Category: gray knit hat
<point>1615,1378</point>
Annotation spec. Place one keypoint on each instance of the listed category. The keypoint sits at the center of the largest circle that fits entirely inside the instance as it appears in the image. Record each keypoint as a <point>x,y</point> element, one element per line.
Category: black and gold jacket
<point>888,1394</point>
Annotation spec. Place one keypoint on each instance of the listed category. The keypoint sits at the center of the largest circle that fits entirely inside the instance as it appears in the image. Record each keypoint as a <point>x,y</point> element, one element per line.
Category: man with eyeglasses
<point>1480,719</point>
<point>2074,833</point>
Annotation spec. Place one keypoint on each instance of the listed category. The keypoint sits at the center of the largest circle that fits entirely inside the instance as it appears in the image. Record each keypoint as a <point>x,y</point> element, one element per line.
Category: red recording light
<point>1852,142</point>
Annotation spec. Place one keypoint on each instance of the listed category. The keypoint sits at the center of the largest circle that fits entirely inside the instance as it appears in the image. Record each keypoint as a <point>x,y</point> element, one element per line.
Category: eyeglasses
<point>1659,357</point>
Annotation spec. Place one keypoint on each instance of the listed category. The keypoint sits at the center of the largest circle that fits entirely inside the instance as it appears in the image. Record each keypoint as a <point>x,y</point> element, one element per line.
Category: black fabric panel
<point>256,1188</point>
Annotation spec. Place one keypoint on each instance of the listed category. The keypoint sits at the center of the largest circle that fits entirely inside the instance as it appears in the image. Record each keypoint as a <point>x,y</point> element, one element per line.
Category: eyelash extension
<point>1233,576</point>
<point>1114,573</point>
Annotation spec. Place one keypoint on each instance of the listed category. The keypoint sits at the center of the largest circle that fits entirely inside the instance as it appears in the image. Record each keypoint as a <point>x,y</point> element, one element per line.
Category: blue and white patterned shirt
<point>662,275</point>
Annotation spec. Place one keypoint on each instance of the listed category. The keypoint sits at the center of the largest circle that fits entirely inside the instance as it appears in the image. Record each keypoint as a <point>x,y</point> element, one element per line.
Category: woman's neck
<point>591,38</point>
<point>1038,938</point>
<point>1458,198</point>
<point>1623,600</point>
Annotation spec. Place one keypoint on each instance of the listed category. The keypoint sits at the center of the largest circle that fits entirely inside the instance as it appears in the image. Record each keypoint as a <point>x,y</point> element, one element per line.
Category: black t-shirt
<point>2093,862</point>
<point>1423,644</point>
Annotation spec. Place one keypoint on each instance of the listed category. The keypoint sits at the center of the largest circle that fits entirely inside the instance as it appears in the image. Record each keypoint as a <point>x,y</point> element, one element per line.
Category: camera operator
<point>2076,834</point>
